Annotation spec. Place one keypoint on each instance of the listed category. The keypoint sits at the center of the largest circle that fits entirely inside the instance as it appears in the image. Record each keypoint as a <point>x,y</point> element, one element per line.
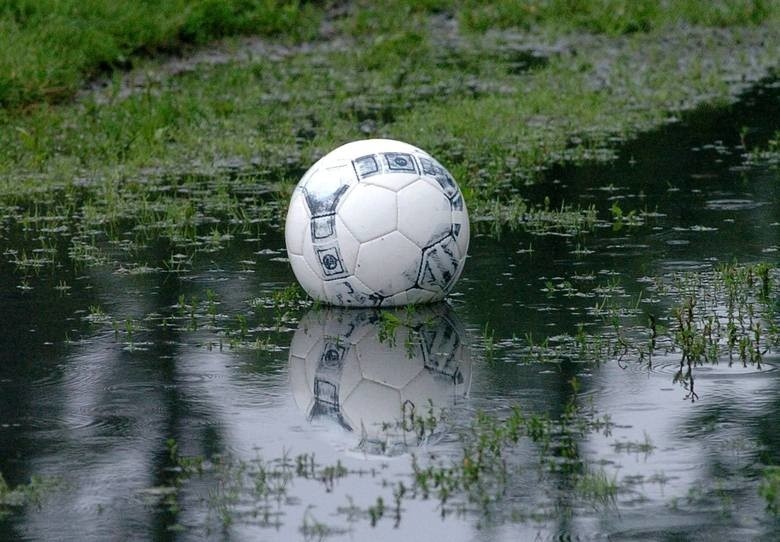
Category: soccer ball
<point>376,386</point>
<point>377,223</point>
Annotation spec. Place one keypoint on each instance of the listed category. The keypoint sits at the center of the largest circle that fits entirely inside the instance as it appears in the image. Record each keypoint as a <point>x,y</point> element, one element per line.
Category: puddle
<point>670,365</point>
<point>101,366</point>
<point>734,204</point>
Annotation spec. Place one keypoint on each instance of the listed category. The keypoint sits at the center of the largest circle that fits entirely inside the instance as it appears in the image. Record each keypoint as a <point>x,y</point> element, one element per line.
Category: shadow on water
<point>196,355</point>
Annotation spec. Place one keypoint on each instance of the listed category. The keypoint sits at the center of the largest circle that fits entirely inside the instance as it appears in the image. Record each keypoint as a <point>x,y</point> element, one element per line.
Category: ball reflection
<point>386,378</point>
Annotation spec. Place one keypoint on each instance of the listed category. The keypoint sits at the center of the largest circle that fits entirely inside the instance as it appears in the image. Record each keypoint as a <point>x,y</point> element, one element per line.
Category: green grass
<point>768,155</point>
<point>770,489</point>
<point>726,315</point>
<point>48,47</point>
<point>613,16</point>
<point>262,108</point>
<point>22,495</point>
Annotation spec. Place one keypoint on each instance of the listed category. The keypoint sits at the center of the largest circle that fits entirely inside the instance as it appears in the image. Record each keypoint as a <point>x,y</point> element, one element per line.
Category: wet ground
<point>177,403</point>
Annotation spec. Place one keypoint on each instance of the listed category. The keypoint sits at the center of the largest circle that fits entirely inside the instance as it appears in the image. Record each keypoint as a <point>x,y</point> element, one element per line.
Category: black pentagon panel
<point>347,294</point>
<point>429,167</point>
<point>365,166</point>
<point>327,382</point>
<point>332,357</point>
<point>400,162</point>
<point>440,344</point>
<point>439,266</point>
<point>331,262</point>
<point>457,202</point>
<point>323,201</point>
<point>433,169</point>
<point>323,227</point>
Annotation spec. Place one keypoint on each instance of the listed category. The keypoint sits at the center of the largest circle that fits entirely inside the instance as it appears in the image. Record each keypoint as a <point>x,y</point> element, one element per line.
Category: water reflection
<point>96,414</point>
<point>386,379</point>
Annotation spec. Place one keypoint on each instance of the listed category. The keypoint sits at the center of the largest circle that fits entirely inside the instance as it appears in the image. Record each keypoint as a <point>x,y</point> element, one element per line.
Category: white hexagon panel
<point>377,223</point>
<point>369,212</point>
<point>389,265</point>
<point>423,199</point>
<point>298,213</point>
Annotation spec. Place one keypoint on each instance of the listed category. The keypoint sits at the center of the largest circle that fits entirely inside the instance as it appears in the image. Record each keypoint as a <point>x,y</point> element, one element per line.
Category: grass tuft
<point>48,47</point>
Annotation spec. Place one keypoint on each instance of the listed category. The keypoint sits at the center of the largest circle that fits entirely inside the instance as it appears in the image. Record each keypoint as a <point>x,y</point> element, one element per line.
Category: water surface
<point>95,407</point>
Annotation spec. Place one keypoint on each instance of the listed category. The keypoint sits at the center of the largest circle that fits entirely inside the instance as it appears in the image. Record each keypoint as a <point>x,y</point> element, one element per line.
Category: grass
<point>175,22</point>
<point>598,487</point>
<point>611,16</point>
<point>725,315</point>
<point>770,489</point>
<point>768,155</point>
<point>156,155</point>
<point>12,499</point>
<point>49,47</point>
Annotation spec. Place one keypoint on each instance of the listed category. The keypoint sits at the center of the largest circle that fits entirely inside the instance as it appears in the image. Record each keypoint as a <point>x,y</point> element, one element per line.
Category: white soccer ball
<point>377,223</point>
<point>376,387</point>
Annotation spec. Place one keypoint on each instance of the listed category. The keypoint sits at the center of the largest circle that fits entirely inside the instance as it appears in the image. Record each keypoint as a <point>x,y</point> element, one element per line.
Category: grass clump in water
<point>480,479</point>
<point>733,316</point>
<point>728,314</point>
<point>599,487</point>
<point>770,489</point>
<point>12,499</point>
<point>768,155</point>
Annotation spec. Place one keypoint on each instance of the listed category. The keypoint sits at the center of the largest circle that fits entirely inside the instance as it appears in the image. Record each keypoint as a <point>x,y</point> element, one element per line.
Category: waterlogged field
<point>606,367</point>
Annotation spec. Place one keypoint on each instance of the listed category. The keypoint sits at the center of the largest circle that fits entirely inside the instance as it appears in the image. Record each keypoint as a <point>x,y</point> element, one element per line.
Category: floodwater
<point>93,408</point>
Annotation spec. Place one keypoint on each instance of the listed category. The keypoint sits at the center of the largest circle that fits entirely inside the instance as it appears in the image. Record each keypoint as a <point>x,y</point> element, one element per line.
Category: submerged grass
<point>770,489</point>
<point>16,498</point>
<point>768,155</point>
<point>476,481</point>
<point>725,315</point>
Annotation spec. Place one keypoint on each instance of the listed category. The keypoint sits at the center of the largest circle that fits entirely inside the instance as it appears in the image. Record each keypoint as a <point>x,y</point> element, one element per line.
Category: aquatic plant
<point>13,499</point>
<point>768,154</point>
<point>598,487</point>
<point>473,482</point>
<point>770,489</point>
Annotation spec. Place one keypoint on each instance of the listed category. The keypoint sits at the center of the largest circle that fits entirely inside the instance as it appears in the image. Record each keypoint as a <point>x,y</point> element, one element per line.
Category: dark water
<point>92,406</point>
